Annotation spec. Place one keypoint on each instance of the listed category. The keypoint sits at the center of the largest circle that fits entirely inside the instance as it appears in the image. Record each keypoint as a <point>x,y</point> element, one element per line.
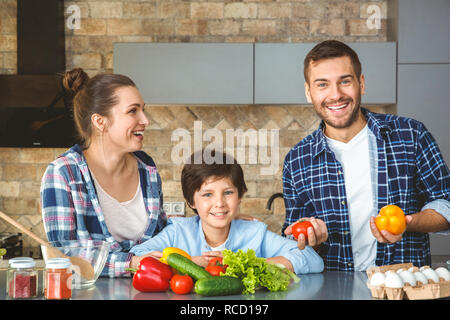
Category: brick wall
<point>105,22</point>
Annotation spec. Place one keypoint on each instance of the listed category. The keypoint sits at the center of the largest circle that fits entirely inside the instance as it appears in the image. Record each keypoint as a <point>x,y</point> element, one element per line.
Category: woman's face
<point>217,203</point>
<point>127,120</point>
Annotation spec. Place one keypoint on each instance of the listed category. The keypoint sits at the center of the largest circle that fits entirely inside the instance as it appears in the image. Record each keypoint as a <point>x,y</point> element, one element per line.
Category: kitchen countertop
<point>330,285</point>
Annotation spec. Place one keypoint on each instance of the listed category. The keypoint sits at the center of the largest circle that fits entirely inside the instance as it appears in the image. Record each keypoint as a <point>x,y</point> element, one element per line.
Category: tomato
<point>181,284</point>
<point>301,227</point>
<point>215,270</point>
<point>215,266</point>
<point>391,218</point>
<point>218,261</point>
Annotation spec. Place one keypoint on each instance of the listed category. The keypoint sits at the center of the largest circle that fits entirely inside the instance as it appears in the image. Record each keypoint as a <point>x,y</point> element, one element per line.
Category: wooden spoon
<point>84,269</point>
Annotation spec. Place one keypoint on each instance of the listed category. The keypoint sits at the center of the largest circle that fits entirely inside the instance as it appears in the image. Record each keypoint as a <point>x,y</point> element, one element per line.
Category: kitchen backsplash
<point>91,47</point>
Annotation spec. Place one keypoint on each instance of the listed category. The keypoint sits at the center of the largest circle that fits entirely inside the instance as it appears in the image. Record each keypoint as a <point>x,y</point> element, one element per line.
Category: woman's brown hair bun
<point>92,95</point>
<point>74,79</point>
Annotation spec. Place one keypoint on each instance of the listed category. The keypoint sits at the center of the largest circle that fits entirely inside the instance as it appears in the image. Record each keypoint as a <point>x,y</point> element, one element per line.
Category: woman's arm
<point>57,206</point>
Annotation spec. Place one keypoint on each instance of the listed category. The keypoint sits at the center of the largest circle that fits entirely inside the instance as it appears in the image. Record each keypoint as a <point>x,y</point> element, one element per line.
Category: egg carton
<point>431,290</point>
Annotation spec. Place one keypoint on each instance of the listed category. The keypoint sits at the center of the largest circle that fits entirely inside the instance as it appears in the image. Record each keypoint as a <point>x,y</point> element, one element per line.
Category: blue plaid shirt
<point>409,172</point>
<point>71,210</point>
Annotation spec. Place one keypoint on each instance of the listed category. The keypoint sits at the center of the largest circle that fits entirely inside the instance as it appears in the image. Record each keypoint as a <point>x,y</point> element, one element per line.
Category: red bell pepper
<point>151,275</point>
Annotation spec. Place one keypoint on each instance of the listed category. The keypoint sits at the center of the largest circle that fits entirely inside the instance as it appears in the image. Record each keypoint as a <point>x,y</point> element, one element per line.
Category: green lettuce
<point>256,272</point>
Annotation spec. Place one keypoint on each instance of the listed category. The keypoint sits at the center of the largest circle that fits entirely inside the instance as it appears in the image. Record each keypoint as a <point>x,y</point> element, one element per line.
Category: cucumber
<point>187,266</point>
<point>219,286</point>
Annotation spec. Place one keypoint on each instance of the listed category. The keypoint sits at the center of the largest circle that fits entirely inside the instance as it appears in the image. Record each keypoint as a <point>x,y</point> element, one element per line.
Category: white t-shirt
<point>125,220</point>
<point>354,158</point>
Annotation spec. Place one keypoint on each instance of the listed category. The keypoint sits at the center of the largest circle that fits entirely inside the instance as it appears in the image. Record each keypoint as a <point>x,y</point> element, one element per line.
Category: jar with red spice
<point>11,261</point>
<point>22,279</point>
<point>58,279</point>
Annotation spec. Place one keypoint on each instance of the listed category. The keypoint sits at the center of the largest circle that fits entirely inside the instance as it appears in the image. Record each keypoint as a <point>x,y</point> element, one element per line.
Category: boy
<point>214,192</point>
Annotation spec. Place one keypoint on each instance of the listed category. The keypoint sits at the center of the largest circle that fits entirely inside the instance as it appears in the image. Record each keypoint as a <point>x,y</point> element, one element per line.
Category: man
<point>342,174</point>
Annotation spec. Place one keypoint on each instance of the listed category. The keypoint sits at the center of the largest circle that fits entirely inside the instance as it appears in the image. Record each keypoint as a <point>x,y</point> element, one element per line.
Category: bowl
<point>88,258</point>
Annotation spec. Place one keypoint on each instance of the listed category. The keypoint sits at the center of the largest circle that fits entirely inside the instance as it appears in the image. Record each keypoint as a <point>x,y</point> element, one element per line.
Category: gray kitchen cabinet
<point>423,31</point>
<point>424,75</point>
<point>241,73</point>
<point>423,95</point>
<point>279,72</point>
<point>188,73</point>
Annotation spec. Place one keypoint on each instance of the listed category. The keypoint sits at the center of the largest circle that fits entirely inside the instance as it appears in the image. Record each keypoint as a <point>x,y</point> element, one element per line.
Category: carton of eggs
<point>394,281</point>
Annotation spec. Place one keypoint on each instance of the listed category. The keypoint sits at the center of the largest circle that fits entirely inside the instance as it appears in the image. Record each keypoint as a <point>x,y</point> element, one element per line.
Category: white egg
<point>400,270</point>
<point>443,273</point>
<point>420,277</point>
<point>393,280</point>
<point>431,274</point>
<point>423,268</point>
<point>377,279</point>
<point>408,277</point>
<point>413,269</point>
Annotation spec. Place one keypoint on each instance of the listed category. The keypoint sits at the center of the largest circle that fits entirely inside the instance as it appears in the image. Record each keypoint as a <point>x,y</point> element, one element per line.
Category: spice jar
<point>10,261</point>
<point>58,279</point>
<point>22,279</point>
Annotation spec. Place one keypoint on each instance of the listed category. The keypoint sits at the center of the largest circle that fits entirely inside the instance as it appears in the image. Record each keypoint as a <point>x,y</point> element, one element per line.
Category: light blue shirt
<point>187,234</point>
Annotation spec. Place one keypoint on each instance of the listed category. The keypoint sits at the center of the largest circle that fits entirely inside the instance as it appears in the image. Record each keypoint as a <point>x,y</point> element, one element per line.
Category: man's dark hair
<point>329,49</point>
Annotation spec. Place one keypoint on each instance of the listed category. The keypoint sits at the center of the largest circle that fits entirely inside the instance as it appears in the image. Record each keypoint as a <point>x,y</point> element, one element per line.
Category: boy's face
<point>217,203</point>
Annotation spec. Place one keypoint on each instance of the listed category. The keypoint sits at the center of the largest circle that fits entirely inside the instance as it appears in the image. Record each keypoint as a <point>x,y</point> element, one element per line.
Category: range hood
<point>33,111</point>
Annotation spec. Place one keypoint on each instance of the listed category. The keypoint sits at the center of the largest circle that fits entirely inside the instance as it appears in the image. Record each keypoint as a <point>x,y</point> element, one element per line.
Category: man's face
<point>335,91</point>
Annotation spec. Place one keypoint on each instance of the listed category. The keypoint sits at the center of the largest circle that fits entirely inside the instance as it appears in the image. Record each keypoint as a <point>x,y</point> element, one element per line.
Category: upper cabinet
<point>241,73</point>
<point>188,73</point>
<point>423,31</point>
<point>279,72</point>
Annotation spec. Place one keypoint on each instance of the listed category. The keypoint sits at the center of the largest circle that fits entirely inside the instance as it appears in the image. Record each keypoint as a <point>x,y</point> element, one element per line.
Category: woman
<point>105,188</point>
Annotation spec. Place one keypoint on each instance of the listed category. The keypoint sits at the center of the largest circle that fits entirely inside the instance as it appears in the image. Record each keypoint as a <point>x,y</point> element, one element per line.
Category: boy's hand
<point>204,259</point>
<point>316,235</point>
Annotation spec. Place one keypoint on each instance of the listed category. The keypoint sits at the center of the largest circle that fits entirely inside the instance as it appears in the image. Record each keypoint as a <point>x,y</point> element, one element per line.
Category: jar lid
<point>20,259</point>
<point>57,263</point>
<point>23,264</point>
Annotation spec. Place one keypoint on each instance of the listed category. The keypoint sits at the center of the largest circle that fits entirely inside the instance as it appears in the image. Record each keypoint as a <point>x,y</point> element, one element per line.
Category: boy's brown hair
<point>330,49</point>
<point>194,175</point>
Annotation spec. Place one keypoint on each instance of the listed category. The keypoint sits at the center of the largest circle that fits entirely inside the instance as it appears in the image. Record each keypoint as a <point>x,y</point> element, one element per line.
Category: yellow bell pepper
<point>169,250</point>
